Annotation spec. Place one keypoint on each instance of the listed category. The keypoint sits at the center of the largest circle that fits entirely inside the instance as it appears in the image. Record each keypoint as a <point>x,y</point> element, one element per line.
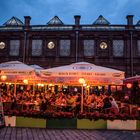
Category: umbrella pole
<point>7,88</point>
<point>45,88</point>
<point>33,88</point>
<point>15,89</point>
<point>82,98</point>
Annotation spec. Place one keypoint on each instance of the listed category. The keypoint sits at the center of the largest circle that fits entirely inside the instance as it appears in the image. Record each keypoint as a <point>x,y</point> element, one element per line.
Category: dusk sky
<point>41,11</point>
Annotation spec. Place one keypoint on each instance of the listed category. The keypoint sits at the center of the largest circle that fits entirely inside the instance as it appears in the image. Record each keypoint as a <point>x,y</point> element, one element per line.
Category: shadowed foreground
<point>65,134</point>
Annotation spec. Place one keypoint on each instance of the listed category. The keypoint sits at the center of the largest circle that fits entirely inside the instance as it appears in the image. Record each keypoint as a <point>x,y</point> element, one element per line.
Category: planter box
<point>121,125</point>
<point>91,124</point>
<point>30,122</point>
<point>10,121</point>
<point>138,125</point>
<point>62,123</point>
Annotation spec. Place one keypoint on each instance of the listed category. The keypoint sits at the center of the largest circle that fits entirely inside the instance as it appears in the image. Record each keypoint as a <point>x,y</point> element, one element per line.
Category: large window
<point>138,47</point>
<point>118,48</point>
<point>89,48</point>
<point>64,47</point>
<point>36,47</point>
<point>14,47</point>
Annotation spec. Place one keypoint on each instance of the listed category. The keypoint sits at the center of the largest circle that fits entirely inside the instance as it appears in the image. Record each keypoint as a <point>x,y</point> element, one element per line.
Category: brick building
<point>56,44</point>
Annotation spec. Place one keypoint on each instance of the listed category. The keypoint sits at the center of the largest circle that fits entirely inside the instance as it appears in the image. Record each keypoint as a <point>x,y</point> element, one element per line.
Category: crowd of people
<point>60,101</point>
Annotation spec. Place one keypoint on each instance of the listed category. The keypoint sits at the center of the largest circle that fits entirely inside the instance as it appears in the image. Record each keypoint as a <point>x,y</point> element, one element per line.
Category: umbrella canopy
<point>15,68</point>
<point>36,67</point>
<point>132,79</point>
<point>92,74</point>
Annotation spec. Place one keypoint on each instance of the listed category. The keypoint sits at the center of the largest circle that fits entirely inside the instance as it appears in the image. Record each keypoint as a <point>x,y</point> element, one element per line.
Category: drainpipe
<point>130,28</point>
<point>24,49</point>
<point>131,53</point>
<point>26,30</point>
<point>77,25</point>
<point>76,50</point>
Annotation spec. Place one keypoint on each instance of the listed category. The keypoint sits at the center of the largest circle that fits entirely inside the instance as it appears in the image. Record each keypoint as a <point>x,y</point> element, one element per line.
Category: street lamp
<point>82,82</point>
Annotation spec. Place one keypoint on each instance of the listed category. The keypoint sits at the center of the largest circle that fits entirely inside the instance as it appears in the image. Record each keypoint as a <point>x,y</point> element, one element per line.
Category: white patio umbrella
<point>15,68</point>
<point>132,79</point>
<point>93,74</point>
<point>83,72</point>
<point>12,71</point>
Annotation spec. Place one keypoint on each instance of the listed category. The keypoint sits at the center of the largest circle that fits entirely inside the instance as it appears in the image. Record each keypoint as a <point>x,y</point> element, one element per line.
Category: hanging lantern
<point>39,84</point>
<point>128,85</point>
<point>3,77</point>
<point>99,87</point>
<point>81,81</point>
<point>42,85</point>
<point>25,81</point>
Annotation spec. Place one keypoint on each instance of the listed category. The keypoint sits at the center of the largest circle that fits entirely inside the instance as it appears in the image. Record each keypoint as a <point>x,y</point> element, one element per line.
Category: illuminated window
<point>138,47</point>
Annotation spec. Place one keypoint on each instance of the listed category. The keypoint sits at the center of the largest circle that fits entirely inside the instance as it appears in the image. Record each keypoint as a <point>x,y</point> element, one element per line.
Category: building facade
<point>57,44</point>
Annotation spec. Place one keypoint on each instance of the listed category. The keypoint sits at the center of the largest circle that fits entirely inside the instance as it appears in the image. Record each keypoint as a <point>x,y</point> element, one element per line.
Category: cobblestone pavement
<point>8,133</point>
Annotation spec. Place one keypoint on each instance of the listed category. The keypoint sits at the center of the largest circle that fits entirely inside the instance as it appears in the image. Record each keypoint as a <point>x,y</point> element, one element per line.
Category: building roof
<point>138,23</point>
<point>101,21</point>
<point>55,21</point>
<point>13,22</point>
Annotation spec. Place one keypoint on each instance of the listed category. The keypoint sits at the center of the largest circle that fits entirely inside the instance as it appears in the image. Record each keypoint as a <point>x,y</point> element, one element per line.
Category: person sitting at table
<point>43,105</point>
<point>14,103</point>
<point>114,105</point>
<point>71,103</point>
<point>106,105</point>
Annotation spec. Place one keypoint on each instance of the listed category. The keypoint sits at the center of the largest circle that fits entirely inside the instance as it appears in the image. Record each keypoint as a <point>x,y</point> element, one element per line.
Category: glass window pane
<point>88,47</point>
<point>118,48</point>
<point>36,47</point>
<point>64,47</point>
<point>14,47</point>
<point>138,47</point>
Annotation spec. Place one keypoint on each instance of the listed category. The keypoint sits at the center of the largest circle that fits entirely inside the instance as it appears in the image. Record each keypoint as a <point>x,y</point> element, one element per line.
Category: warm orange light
<point>84,85</point>
<point>129,85</point>
<point>9,83</point>
<point>3,77</point>
<point>39,84</point>
<point>25,81</point>
<point>42,85</point>
<point>99,87</point>
<point>81,81</point>
<point>114,87</point>
<point>50,85</point>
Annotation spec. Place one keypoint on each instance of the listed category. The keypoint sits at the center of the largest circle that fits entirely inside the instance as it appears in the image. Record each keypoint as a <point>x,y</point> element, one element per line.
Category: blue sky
<point>41,11</point>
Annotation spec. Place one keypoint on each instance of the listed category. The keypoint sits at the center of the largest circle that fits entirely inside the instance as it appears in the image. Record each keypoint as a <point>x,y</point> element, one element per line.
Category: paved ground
<point>65,134</point>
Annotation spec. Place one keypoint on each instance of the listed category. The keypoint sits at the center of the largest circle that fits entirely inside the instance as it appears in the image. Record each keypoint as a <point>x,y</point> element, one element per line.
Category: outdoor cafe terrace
<point>102,95</point>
